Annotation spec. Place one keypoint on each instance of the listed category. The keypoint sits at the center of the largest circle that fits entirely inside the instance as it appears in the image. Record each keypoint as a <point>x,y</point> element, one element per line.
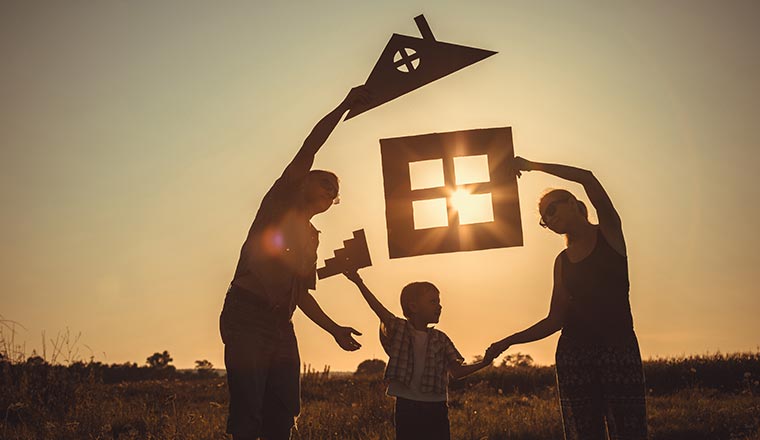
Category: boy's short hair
<point>412,291</point>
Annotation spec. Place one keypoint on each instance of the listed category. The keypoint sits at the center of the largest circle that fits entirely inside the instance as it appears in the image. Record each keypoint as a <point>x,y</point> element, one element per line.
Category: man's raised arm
<point>304,159</point>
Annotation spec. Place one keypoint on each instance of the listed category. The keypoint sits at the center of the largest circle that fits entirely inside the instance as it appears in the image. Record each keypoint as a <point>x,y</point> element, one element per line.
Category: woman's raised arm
<point>609,219</point>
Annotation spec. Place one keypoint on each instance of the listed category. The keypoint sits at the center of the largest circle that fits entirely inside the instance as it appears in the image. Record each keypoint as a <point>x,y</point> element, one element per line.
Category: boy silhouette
<point>421,359</point>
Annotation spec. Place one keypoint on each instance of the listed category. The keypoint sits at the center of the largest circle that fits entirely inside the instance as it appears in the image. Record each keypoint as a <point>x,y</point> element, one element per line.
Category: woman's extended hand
<point>521,164</point>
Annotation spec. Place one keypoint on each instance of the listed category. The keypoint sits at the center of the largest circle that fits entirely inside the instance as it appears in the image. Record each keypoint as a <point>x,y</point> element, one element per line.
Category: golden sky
<point>138,139</point>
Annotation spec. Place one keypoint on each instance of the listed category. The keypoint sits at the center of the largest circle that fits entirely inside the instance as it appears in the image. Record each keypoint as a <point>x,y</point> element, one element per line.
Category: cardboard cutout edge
<point>353,255</point>
<point>404,240</point>
<point>429,61</point>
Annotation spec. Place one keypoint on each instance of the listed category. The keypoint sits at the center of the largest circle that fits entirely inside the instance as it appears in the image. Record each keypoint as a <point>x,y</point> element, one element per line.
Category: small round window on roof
<point>406,60</point>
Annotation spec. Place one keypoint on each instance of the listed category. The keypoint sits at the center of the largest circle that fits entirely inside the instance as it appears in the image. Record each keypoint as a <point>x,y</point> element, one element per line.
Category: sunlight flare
<point>472,208</point>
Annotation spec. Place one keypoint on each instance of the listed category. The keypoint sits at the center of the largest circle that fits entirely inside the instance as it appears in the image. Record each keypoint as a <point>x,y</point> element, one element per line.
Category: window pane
<point>471,169</point>
<point>426,174</point>
<point>474,208</point>
<point>430,213</point>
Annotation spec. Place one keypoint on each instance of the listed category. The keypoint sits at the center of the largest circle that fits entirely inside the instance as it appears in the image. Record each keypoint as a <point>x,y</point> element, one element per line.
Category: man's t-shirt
<point>278,259</point>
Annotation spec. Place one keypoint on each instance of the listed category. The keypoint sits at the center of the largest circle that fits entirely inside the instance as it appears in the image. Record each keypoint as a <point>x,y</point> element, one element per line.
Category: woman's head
<point>320,190</point>
<point>560,211</point>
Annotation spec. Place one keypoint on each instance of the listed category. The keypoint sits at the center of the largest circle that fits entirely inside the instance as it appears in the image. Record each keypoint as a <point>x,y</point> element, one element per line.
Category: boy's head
<point>421,300</point>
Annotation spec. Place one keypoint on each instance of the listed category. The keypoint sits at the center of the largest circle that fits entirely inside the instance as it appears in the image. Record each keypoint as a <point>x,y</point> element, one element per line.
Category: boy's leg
<point>433,420</point>
<point>421,420</point>
<point>439,421</point>
<point>407,420</point>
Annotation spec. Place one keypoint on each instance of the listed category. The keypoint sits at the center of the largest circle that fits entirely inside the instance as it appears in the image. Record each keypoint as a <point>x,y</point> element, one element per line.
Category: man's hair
<point>412,292</point>
<point>318,173</point>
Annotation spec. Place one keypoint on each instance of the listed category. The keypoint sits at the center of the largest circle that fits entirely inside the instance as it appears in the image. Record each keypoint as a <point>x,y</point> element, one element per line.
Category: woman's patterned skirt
<point>601,390</point>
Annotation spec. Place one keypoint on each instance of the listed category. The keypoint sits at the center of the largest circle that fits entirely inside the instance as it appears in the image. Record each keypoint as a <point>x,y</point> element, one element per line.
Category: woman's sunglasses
<point>550,210</point>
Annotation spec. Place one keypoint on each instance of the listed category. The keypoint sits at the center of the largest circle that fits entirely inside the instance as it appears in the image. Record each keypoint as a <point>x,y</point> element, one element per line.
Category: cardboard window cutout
<point>353,255</point>
<point>471,212</point>
<point>408,63</point>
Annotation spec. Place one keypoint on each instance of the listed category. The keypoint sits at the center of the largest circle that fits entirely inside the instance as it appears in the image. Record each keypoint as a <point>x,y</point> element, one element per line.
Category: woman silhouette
<point>599,373</point>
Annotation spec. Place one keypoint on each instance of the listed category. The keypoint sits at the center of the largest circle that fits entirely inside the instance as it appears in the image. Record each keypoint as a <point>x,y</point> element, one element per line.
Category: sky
<point>138,139</point>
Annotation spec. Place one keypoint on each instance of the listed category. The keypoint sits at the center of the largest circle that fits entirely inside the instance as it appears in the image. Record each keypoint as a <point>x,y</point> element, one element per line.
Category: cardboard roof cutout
<point>408,63</point>
<point>353,255</point>
<point>458,199</point>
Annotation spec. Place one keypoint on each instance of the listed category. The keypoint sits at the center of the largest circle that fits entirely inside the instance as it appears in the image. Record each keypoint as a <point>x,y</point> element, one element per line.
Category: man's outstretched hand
<point>343,336</point>
<point>358,95</point>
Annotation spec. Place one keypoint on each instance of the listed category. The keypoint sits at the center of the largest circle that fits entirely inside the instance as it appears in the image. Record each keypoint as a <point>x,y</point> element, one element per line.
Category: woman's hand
<point>521,164</point>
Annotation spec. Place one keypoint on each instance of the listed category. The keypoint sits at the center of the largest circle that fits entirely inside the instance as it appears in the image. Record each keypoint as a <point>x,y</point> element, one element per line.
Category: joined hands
<point>496,349</point>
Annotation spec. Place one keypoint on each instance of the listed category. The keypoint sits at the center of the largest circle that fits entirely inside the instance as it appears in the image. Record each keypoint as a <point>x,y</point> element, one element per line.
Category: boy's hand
<point>343,336</point>
<point>353,275</point>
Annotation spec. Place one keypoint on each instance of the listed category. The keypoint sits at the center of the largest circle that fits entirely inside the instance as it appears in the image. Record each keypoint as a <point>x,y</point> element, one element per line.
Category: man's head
<point>319,191</point>
<point>421,300</point>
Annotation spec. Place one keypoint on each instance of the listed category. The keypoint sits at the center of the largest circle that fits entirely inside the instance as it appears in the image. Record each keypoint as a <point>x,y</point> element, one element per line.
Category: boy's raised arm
<point>384,314</point>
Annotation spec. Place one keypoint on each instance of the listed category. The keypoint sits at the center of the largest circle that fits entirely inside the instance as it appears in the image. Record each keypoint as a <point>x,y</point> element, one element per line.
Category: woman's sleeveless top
<point>599,311</point>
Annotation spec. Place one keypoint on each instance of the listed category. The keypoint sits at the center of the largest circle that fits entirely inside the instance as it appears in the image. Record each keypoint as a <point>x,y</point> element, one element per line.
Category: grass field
<point>57,402</point>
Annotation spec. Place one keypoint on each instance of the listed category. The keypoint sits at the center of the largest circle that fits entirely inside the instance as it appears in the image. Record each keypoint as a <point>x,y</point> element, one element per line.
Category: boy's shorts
<point>417,420</point>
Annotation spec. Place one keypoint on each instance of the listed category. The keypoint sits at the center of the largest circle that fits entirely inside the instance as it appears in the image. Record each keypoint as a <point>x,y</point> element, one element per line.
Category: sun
<point>459,199</point>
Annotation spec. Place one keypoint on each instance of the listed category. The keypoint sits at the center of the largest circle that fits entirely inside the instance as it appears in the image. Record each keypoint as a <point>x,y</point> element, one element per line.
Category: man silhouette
<point>276,269</point>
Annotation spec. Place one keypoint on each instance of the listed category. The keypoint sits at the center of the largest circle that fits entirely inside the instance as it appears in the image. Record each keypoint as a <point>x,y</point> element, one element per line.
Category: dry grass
<point>63,407</point>
<point>697,398</point>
